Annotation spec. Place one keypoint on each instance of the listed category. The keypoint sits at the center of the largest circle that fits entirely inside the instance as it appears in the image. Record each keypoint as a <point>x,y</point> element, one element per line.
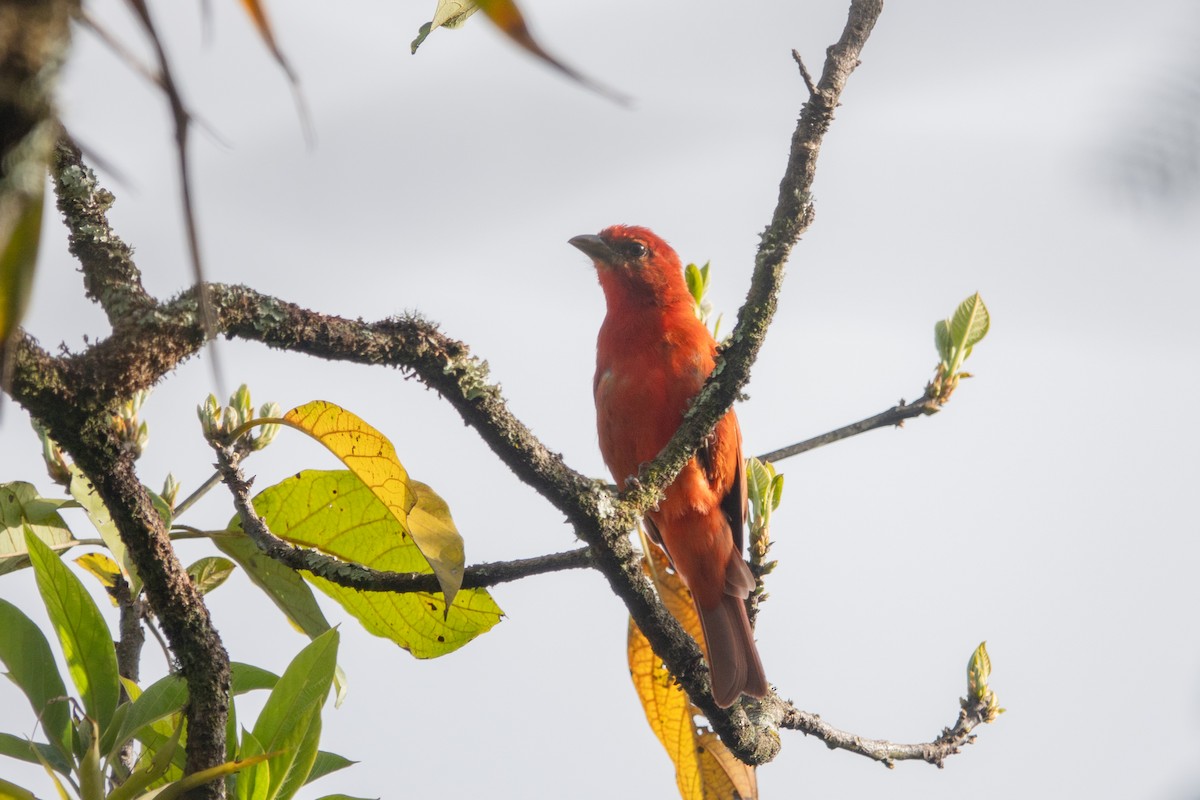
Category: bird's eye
<point>636,250</point>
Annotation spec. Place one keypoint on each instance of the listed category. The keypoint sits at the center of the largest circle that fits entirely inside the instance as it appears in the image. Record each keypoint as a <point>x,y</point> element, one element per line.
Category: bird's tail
<point>729,641</point>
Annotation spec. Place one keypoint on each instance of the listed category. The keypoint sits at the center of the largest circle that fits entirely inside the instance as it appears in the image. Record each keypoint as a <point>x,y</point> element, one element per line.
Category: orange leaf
<point>258,14</point>
<point>508,18</point>
<point>704,767</point>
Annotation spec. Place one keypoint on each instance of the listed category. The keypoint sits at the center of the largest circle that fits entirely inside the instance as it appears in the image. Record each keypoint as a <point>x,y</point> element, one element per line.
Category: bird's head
<point>635,265</point>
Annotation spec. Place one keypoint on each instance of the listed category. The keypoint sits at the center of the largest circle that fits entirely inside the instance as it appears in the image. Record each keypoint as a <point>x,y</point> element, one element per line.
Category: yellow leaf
<point>102,567</point>
<point>369,455</point>
<point>704,767</point>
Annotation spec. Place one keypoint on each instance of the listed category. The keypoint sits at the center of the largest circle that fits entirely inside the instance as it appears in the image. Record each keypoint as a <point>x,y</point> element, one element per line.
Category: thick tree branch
<point>110,277</point>
<point>357,576</point>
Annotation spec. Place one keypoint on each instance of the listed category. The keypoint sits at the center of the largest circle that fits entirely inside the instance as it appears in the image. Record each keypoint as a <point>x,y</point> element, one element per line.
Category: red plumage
<point>652,357</point>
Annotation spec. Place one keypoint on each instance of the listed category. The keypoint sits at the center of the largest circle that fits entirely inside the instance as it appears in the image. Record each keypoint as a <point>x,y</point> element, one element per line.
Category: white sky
<point>1048,510</point>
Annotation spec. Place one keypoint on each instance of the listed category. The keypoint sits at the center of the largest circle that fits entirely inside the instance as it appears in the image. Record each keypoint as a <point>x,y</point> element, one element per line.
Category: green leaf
<point>302,762</point>
<point>83,492</point>
<point>326,763</point>
<point>20,505</point>
<point>287,590</point>
<point>776,491</point>
<point>90,770</point>
<point>210,572</point>
<point>335,513</point>
<point>248,678</point>
<point>941,340</point>
<point>34,752</point>
<point>970,322</point>
<point>10,791</point>
<point>178,788</point>
<point>26,654</point>
<point>160,700</point>
<point>369,455</point>
<point>254,783</point>
<point>86,641</point>
<point>150,770</point>
<point>291,710</point>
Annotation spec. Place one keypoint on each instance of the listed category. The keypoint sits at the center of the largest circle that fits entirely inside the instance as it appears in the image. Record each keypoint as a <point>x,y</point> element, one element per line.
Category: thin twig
<point>191,499</point>
<point>896,415</point>
<point>950,741</point>
<point>808,81</point>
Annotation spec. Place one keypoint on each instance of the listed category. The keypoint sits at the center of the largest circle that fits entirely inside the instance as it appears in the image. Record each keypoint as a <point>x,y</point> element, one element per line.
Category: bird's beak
<point>594,246</point>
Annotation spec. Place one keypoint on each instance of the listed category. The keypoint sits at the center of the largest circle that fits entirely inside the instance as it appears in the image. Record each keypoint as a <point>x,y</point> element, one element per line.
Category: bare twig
<point>947,744</point>
<point>808,81</point>
<point>896,415</point>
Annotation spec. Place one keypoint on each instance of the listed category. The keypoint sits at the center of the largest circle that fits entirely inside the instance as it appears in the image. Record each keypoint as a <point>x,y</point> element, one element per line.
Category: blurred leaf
<point>178,788</point>
<point>30,664</point>
<point>103,568</point>
<point>83,491</point>
<point>508,18</point>
<point>10,791</point>
<point>292,713</point>
<point>90,772</point>
<point>368,454</point>
<point>86,641</point>
<point>941,340</point>
<point>33,752</point>
<point>151,770</point>
<point>255,783</point>
<point>704,767</point>
<point>20,232</point>
<point>20,506</point>
<point>258,15</point>
<point>210,572</point>
<point>160,700</point>
<point>335,513</point>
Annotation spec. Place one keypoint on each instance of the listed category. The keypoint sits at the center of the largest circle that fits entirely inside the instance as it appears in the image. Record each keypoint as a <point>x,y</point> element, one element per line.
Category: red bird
<point>652,357</point>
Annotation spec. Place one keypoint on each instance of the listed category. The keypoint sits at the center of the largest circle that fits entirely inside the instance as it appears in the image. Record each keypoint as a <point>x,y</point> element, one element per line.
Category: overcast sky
<point>1050,509</point>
